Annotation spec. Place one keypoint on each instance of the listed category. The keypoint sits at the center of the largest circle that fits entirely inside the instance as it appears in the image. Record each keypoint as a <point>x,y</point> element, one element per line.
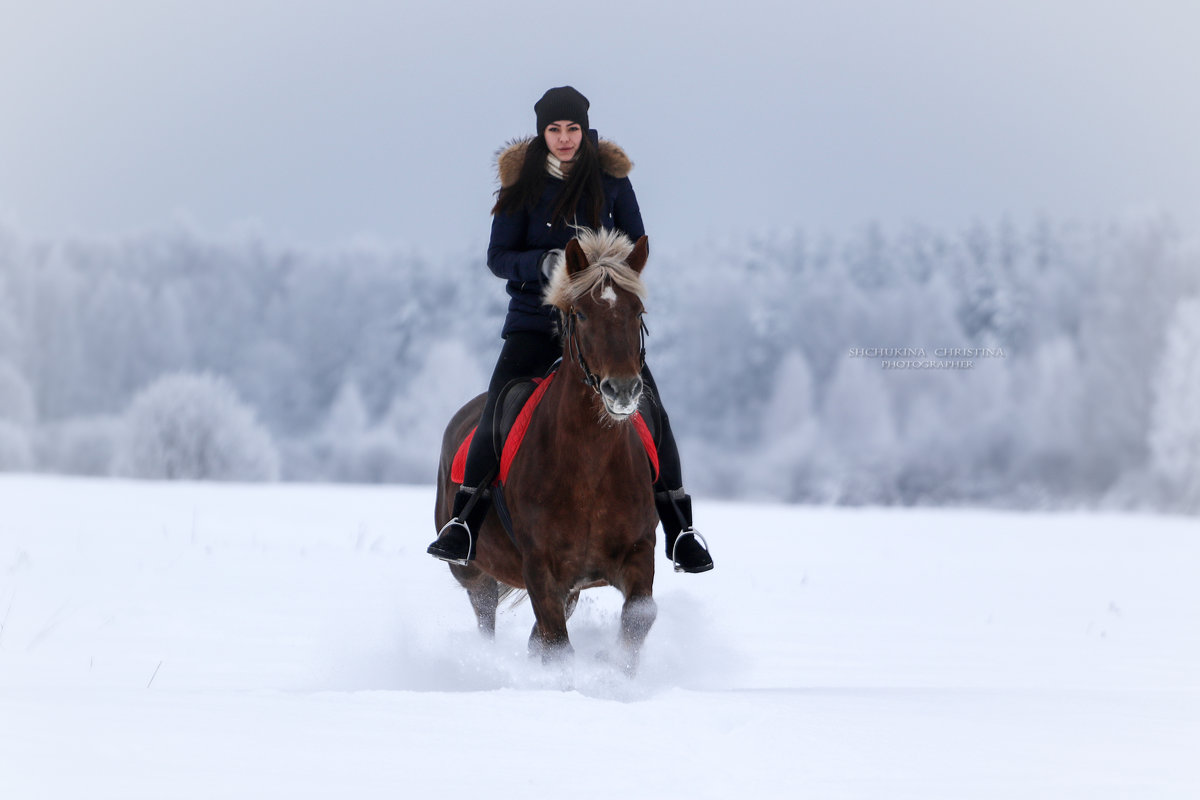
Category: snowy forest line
<point>1053,365</point>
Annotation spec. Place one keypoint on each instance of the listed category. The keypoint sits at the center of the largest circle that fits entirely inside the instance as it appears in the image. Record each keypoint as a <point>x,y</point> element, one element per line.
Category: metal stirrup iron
<point>470,541</point>
<point>695,534</point>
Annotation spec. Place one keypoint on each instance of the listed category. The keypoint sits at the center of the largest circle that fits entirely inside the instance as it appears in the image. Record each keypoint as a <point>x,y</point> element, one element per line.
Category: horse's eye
<point>581,316</point>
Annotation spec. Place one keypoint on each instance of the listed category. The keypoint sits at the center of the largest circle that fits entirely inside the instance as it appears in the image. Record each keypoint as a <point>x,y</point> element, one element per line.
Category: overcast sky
<point>317,122</point>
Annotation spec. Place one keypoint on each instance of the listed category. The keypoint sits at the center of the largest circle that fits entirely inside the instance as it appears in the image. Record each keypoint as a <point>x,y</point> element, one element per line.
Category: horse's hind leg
<point>484,594</point>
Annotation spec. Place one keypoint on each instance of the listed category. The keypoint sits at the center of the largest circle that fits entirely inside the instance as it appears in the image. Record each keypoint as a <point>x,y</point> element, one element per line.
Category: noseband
<point>572,342</point>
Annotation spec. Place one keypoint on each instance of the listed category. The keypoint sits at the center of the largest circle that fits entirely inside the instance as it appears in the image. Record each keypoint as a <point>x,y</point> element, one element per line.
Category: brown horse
<point>579,491</point>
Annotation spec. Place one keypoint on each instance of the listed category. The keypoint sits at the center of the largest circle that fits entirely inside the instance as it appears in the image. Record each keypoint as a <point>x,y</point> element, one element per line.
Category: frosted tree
<point>448,378</point>
<point>1135,282</point>
<point>10,334</point>
<point>1175,428</point>
<point>17,414</point>
<point>16,398</point>
<point>188,426</point>
<point>115,351</point>
<point>1049,402</point>
<point>860,447</point>
<point>16,453</point>
<point>348,448</point>
<point>868,259</point>
<point>80,445</point>
<point>55,339</point>
<point>791,465</point>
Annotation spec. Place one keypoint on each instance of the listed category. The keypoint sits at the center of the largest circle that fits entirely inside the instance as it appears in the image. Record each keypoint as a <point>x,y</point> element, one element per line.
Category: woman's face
<point>563,139</point>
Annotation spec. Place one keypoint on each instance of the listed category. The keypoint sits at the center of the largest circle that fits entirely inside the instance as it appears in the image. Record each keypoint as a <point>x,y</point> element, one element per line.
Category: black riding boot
<point>456,540</point>
<point>685,547</point>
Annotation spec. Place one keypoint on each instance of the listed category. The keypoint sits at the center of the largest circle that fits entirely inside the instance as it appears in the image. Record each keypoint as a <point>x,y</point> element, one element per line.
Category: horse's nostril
<point>621,394</point>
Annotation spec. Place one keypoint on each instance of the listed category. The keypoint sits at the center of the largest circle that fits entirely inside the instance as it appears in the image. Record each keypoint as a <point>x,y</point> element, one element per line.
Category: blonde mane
<point>606,251</point>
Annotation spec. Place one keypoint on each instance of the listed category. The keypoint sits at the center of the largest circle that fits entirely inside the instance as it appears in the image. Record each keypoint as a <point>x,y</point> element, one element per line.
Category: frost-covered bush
<point>189,426</point>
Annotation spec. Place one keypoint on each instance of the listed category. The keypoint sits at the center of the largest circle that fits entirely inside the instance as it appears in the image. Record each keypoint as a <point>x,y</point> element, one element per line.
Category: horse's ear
<point>576,260</point>
<point>641,251</point>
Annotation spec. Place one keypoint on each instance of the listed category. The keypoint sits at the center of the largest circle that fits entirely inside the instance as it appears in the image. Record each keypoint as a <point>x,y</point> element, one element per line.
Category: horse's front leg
<point>548,596</point>
<point>639,611</point>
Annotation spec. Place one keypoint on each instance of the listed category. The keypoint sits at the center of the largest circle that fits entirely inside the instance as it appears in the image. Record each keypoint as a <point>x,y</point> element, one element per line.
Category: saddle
<point>514,411</point>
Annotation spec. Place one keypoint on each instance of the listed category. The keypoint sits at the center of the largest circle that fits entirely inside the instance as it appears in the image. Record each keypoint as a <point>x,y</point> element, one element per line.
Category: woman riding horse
<point>550,183</point>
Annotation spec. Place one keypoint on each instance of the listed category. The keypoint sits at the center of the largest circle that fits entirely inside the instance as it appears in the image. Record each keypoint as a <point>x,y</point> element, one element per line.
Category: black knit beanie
<point>561,102</point>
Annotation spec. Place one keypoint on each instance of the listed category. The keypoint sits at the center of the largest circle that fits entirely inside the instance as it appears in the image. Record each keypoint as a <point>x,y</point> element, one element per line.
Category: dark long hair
<point>583,185</point>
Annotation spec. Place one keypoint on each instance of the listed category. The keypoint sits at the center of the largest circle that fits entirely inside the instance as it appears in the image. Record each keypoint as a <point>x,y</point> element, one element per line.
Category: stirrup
<point>695,534</point>
<point>462,562</point>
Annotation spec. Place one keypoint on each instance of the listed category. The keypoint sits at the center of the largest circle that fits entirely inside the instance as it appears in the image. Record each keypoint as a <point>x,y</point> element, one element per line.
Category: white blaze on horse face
<point>609,295</point>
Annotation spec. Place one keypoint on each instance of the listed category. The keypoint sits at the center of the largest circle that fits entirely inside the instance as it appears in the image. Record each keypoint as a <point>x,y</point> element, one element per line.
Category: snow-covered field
<point>227,641</point>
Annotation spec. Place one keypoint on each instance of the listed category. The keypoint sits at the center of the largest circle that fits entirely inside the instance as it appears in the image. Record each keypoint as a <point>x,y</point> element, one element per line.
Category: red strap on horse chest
<point>647,441</point>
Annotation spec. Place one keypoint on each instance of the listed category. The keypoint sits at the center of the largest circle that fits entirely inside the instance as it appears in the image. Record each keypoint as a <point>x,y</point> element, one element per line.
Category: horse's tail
<point>507,591</point>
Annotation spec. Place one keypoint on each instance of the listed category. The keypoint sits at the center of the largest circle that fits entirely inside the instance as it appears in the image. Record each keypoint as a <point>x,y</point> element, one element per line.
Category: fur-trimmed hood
<point>511,157</point>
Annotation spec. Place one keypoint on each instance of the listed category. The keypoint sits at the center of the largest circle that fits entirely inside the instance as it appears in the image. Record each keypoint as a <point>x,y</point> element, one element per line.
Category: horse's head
<point>599,291</point>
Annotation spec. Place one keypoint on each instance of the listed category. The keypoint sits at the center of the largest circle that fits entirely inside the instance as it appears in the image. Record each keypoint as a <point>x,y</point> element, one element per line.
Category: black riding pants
<point>525,355</point>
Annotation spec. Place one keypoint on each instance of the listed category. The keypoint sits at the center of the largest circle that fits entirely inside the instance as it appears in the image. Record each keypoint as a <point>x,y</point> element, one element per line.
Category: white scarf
<point>554,166</point>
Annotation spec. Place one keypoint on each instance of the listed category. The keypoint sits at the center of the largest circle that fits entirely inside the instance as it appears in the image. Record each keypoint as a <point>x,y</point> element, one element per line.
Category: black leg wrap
<point>685,546</point>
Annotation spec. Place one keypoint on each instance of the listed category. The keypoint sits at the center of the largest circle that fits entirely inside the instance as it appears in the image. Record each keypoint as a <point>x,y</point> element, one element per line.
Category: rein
<point>590,378</point>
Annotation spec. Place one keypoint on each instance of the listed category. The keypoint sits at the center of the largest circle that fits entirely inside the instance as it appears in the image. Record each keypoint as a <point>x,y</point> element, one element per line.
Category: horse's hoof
<point>552,654</point>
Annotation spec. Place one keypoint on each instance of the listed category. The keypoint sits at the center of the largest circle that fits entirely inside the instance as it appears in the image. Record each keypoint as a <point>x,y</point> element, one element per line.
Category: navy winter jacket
<point>519,239</point>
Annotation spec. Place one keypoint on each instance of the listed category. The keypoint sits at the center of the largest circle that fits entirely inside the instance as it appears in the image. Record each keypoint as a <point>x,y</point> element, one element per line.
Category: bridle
<point>572,343</point>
